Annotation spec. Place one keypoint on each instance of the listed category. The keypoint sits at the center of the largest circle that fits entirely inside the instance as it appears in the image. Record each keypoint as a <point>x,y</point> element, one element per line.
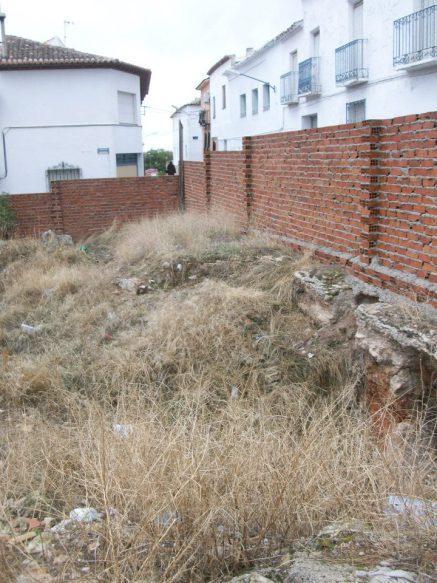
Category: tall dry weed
<point>237,443</point>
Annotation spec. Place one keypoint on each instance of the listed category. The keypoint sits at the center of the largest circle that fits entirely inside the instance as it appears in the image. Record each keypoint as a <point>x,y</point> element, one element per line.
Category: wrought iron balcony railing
<point>309,79</point>
<point>289,83</point>
<point>415,37</point>
<point>205,118</point>
<point>350,63</point>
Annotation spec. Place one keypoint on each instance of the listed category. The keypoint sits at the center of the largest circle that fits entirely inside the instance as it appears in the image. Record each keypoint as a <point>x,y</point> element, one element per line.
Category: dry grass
<point>238,444</point>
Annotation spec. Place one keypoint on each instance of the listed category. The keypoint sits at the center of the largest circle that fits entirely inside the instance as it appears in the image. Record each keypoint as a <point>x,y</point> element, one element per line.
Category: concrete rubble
<point>395,339</point>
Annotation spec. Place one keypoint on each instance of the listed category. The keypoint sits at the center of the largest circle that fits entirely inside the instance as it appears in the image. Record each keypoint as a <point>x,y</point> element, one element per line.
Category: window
<point>127,165</point>
<point>127,108</point>
<point>255,101</point>
<point>223,96</point>
<point>225,145</point>
<point>266,97</point>
<point>62,172</point>
<point>357,20</point>
<point>243,109</point>
<point>309,121</point>
<point>316,43</point>
<point>356,111</point>
<point>214,111</point>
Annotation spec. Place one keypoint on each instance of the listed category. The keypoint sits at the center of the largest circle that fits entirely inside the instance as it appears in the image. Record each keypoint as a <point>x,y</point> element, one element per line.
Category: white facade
<point>380,89</point>
<point>188,116</point>
<point>69,117</point>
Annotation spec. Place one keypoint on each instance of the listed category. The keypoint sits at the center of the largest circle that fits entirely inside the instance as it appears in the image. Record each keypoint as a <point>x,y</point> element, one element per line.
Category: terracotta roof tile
<point>23,53</point>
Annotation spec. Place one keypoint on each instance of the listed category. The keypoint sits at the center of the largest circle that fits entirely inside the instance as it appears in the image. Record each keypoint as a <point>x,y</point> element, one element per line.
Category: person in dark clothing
<point>171,169</point>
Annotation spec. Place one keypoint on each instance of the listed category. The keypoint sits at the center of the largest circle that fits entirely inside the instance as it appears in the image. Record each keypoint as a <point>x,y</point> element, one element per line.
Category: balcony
<point>309,80</point>
<point>415,39</point>
<point>205,118</point>
<point>289,83</point>
<point>350,63</point>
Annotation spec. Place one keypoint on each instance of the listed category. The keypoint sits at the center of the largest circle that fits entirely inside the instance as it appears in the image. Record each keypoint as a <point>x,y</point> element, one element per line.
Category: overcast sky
<point>178,40</point>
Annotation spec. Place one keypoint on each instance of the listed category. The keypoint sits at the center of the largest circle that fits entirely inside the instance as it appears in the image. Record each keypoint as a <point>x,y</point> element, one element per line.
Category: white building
<point>187,117</point>
<point>345,61</point>
<point>66,114</point>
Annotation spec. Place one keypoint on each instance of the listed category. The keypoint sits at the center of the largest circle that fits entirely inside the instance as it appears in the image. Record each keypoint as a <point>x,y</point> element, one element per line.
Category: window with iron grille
<point>126,159</point>
<point>63,171</point>
<point>356,111</point>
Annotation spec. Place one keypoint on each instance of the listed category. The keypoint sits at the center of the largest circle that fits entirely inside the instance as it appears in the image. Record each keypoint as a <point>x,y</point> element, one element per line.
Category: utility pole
<point>181,168</point>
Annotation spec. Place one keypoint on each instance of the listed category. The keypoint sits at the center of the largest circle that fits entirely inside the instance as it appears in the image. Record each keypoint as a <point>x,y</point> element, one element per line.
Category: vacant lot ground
<point>190,415</point>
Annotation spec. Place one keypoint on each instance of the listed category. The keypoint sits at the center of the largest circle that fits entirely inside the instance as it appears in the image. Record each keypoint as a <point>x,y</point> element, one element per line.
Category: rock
<point>387,575</point>
<point>421,511</point>
<point>86,515</point>
<point>52,239</point>
<point>416,330</point>
<point>31,330</point>
<point>398,347</point>
<point>310,570</point>
<point>128,283</point>
<point>251,578</point>
<point>324,293</point>
<point>234,392</point>
<point>40,544</point>
<point>63,527</point>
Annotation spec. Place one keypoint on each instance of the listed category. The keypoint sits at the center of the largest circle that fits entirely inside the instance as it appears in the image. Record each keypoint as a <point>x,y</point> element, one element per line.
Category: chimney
<point>3,46</point>
<point>249,51</point>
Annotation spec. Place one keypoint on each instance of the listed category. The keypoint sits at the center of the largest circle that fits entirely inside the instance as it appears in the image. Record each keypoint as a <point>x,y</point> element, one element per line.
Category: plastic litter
<point>31,330</point>
<point>122,430</point>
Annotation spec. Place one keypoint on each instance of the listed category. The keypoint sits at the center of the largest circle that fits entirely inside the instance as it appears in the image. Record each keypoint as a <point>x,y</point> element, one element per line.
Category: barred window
<point>356,111</point>
<point>63,171</point>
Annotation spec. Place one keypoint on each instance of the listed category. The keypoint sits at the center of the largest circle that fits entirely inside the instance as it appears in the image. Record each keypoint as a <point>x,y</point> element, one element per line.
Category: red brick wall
<point>33,212</point>
<point>363,195</point>
<point>91,206</point>
<point>227,183</point>
<point>195,186</point>
<point>307,185</point>
<point>83,207</point>
<point>406,206</point>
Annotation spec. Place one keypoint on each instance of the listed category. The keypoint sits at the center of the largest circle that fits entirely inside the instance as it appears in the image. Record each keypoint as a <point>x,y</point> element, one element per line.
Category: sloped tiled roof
<point>222,61</point>
<point>23,53</point>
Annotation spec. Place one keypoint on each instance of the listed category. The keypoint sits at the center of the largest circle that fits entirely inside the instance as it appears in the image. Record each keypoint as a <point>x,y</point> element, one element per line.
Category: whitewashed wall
<point>86,100</point>
<point>388,92</point>
<point>193,134</point>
